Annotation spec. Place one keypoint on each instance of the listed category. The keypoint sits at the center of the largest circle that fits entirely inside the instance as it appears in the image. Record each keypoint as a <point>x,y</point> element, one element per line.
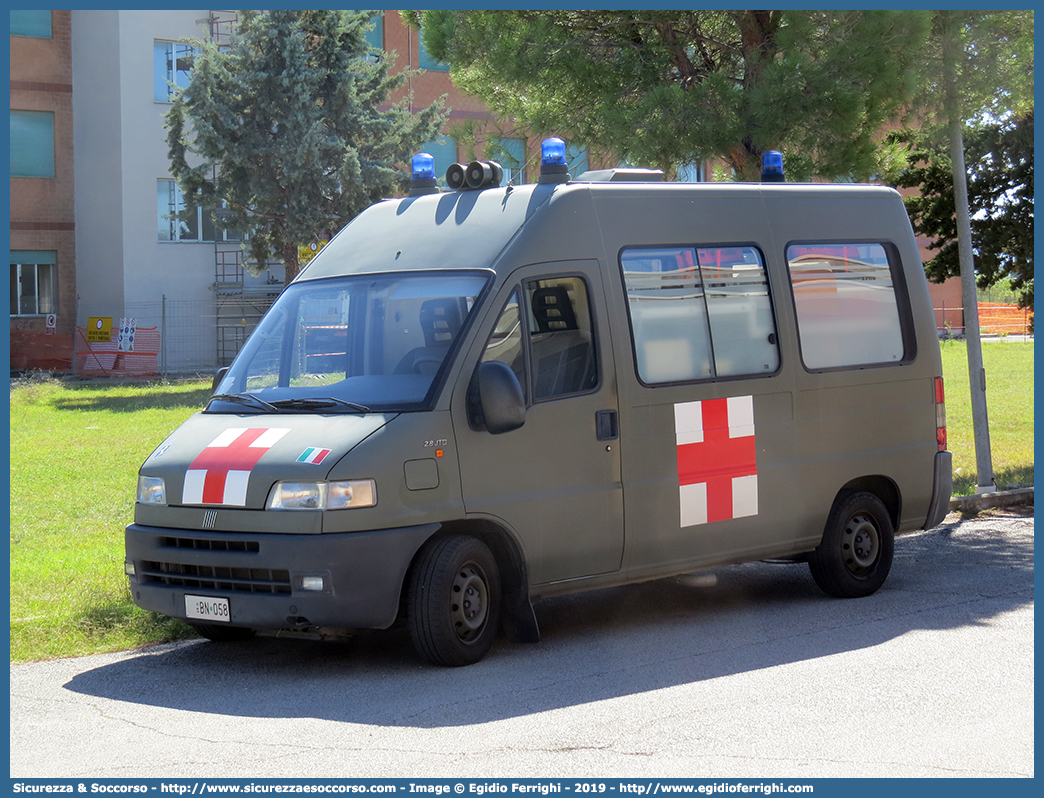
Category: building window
<point>691,173</point>
<point>178,222</point>
<point>576,159</point>
<point>34,284</point>
<point>375,36</point>
<point>699,313</point>
<point>32,144</point>
<point>424,60</point>
<point>35,24</point>
<point>510,154</point>
<point>172,64</point>
<point>847,309</point>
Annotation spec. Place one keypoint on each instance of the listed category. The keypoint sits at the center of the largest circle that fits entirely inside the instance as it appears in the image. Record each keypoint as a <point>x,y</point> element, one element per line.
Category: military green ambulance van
<point>474,398</point>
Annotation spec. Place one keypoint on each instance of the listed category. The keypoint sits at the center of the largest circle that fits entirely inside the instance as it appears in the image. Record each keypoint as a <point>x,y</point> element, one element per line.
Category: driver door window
<point>547,338</point>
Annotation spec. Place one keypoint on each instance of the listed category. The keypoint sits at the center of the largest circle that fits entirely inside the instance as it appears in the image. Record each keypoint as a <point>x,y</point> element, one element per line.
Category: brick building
<point>43,246</point>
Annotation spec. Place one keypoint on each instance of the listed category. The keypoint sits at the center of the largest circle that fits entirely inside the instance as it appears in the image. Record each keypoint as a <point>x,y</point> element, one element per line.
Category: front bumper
<point>262,575</point>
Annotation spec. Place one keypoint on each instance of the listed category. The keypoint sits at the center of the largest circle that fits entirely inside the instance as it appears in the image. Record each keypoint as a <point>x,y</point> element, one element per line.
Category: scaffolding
<point>242,298</point>
<point>243,290</point>
<point>220,26</point>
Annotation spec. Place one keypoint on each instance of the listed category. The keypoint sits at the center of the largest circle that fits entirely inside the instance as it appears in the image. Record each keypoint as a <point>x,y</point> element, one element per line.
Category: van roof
<point>425,232</point>
<point>428,231</point>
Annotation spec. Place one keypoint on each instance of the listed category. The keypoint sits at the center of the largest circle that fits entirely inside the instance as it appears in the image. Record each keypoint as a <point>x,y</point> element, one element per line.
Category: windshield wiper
<point>244,399</point>
<point>317,403</point>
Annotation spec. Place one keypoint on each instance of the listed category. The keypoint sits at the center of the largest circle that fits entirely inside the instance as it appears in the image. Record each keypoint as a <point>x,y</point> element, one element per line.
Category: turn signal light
<point>940,414</point>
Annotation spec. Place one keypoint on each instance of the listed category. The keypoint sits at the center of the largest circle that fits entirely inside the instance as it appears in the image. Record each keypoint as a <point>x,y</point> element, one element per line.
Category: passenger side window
<point>699,313</point>
<point>547,339</point>
<point>847,312</point>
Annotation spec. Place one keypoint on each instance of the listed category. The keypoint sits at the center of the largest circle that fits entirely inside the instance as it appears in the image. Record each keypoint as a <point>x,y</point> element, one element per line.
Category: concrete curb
<point>984,501</point>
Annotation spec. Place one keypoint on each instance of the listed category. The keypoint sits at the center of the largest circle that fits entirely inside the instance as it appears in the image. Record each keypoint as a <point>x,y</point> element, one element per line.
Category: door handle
<point>605,425</point>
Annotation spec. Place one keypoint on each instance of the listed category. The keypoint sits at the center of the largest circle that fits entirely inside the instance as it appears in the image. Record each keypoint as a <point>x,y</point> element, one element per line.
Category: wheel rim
<point>861,544</point>
<point>469,601</point>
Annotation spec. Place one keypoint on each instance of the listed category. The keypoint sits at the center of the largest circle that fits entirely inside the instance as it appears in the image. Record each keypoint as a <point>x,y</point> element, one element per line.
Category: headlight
<point>297,496</point>
<point>355,493</point>
<point>323,495</point>
<point>151,490</point>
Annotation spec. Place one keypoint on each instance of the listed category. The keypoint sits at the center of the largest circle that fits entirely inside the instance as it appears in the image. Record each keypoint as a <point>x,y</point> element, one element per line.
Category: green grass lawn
<point>76,449</point>
<point>75,453</point>
<point>1009,405</point>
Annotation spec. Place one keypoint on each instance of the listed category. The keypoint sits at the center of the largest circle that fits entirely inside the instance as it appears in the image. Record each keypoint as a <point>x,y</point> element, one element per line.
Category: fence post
<point>76,322</point>
<point>163,337</point>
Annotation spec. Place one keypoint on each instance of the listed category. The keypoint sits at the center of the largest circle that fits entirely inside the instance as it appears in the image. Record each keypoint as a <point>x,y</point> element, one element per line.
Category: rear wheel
<point>222,634</point>
<point>453,601</point>
<point>855,555</point>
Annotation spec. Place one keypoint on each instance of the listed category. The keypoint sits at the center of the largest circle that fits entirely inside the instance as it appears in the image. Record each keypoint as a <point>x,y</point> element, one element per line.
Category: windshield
<point>350,345</point>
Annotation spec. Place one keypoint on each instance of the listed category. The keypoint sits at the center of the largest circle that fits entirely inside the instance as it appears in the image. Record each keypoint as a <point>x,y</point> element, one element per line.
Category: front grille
<point>248,546</point>
<point>208,577</point>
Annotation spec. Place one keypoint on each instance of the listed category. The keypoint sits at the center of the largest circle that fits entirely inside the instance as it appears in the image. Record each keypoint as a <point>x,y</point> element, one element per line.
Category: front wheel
<point>855,554</point>
<point>453,603</point>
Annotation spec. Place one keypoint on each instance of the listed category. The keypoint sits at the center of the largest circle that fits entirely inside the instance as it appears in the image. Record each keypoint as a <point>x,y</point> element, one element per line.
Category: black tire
<point>855,555</point>
<point>453,601</point>
<point>218,633</point>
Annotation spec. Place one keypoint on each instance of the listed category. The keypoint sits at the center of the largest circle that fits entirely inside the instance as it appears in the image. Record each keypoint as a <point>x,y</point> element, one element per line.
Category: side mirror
<point>219,375</point>
<point>500,397</point>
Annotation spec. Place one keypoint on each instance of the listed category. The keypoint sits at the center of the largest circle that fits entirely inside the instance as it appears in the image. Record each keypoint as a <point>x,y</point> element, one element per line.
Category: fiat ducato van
<point>474,398</point>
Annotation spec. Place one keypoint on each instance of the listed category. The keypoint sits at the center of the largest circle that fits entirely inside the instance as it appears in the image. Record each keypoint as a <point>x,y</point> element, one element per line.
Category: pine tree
<point>661,88</point>
<point>285,128</point>
<point>999,158</point>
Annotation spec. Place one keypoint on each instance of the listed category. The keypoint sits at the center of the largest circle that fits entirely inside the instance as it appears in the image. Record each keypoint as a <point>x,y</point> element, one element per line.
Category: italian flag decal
<point>313,455</point>
<point>221,472</point>
<point>717,468</point>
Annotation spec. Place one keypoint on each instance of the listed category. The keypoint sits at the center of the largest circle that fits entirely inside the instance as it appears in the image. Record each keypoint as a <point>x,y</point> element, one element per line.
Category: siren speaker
<point>483,174</point>
<point>455,176</point>
<point>478,174</point>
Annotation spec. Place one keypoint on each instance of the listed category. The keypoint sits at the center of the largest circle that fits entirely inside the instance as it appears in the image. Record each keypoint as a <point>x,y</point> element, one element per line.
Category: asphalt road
<point>747,671</point>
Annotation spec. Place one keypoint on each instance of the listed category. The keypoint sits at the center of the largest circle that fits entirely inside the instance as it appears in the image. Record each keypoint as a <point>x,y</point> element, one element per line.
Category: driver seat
<point>440,321</point>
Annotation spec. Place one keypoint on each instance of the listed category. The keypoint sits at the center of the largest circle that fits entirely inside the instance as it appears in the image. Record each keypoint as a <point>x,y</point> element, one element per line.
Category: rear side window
<point>699,313</point>
<point>847,309</point>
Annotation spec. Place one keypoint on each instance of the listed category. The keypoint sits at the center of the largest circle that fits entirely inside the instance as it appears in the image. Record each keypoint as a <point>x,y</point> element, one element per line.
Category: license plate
<point>207,608</point>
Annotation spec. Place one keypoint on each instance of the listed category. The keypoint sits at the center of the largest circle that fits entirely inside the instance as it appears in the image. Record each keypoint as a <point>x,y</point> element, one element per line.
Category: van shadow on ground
<point>595,646</point>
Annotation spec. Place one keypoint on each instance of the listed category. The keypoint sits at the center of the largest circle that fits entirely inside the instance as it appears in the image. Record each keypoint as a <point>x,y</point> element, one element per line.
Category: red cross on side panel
<point>717,464</point>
